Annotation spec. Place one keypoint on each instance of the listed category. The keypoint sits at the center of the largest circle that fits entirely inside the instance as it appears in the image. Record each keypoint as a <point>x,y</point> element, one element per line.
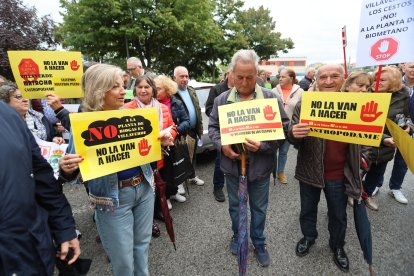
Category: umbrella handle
<point>243,163</point>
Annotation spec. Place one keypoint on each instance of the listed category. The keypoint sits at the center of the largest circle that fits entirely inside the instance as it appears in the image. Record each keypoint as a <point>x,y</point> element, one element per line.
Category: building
<point>298,64</point>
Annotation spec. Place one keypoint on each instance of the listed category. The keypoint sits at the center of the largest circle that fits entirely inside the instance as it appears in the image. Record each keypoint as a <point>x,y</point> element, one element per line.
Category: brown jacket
<point>309,167</point>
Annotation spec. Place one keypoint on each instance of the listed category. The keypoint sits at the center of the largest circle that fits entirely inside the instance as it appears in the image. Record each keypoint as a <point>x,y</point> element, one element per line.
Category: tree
<point>258,27</point>
<point>21,29</point>
<point>164,33</point>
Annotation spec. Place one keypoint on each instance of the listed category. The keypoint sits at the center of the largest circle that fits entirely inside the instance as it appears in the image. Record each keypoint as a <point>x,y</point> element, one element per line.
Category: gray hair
<point>308,69</point>
<point>178,68</point>
<point>96,82</point>
<point>245,56</point>
<point>6,90</point>
<point>135,61</point>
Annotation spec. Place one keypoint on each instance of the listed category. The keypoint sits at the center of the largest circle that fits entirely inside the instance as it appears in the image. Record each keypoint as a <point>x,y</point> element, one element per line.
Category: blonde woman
<point>390,82</point>
<point>124,200</point>
<point>166,88</point>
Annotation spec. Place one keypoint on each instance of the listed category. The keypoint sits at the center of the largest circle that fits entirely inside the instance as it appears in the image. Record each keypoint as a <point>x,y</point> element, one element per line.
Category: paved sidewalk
<point>202,227</point>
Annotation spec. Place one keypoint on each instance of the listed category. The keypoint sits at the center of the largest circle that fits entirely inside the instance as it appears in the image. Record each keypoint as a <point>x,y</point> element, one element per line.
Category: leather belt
<point>133,181</point>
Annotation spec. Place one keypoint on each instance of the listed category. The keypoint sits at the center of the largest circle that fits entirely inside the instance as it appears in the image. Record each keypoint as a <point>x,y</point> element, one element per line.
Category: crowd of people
<point>126,203</point>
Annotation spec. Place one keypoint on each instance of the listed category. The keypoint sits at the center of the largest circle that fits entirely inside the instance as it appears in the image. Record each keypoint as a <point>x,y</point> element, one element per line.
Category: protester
<point>400,167</point>
<point>218,177</point>
<point>331,166</point>
<point>33,208</point>
<point>308,79</point>
<point>291,94</point>
<point>134,68</point>
<point>61,113</point>
<point>125,200</point>
<point>357,82</point>
<point>390,82</point>
<point>36,121</point>
<point>166,89</point>
<point>189,98</point>
<point>244,67</point>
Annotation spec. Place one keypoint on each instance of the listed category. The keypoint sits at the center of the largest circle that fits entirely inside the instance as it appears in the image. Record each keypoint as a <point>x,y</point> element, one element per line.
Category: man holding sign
<point>327,165</point>
<point>260,155</point>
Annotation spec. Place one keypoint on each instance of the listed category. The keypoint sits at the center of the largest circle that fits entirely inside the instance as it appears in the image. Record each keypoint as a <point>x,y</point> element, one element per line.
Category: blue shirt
<point>185,95</point>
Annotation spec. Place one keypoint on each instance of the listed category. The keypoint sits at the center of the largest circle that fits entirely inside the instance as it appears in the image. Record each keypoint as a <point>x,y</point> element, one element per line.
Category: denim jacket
<point>103,191</point>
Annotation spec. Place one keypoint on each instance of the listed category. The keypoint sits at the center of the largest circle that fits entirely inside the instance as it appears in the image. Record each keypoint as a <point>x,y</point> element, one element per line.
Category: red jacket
<point>167,121</point>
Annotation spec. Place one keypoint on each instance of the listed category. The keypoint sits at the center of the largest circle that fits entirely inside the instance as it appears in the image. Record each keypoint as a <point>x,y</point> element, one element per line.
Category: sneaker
<point>181,189</point>
<point>371,204</point>
<point>399,196</point>
<point>262,256</point>
<point>219,195</point>
<point>282,177</point>
<point>178,198</point>
<point>233,246</point>
<point>197,181</point>
<point>375,192</point>
<point>169,204</point>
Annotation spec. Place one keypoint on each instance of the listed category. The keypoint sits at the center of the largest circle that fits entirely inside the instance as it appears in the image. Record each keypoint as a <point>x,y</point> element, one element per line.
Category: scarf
<point>154,103</point>
<point>35,124</point>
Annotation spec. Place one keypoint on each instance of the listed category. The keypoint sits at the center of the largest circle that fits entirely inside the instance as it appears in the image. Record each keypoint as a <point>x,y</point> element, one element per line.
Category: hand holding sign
<point>143,147</point>
<point>74,65</point>
<point>268,113</point>
<point>369,112</point>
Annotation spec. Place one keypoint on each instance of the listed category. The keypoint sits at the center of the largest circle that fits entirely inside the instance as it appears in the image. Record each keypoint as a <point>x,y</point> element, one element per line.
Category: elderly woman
<point>390,82</point>
<point>166,88</point>
<point>357,82</point>
<point>291,93</point>
<point>124,210</point>
<point>36,121</point>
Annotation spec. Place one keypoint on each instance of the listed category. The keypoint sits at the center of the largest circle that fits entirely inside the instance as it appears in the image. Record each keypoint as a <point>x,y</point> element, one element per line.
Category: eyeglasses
<point>18,97</point>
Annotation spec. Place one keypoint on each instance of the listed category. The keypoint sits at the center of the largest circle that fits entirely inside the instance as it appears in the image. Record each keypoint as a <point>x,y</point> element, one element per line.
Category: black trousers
<point>336,200</point>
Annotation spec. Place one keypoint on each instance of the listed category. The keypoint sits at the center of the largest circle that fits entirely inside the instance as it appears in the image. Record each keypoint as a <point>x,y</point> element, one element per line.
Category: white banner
<point>386,32</point>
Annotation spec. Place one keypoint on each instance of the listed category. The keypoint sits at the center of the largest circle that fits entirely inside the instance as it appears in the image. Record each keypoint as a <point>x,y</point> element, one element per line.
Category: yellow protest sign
<point>38,73</point>
<point>112,141</point>
<point>258,120</point>
<point>405,143</point>
<point>350,117</point>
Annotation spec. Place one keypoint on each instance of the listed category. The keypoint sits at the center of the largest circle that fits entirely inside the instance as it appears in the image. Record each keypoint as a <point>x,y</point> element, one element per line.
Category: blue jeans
<point>374,177</point>
<point>126,232</point>
<point>258,201</point>
<point>218,178</point>
<point>398,171</point>
<point>336,200</point>
<point>281,156</point>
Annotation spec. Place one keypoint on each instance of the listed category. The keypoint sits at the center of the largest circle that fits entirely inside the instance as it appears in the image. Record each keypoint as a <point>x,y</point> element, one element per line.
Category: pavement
<point>203,232</point>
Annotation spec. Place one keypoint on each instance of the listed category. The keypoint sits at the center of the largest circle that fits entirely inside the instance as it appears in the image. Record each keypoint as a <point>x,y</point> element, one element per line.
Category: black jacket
<point>214,92</point>
<point>33,208</point>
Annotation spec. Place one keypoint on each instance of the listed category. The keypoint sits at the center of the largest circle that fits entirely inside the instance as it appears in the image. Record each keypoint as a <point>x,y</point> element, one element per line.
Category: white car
<point>202,90</point>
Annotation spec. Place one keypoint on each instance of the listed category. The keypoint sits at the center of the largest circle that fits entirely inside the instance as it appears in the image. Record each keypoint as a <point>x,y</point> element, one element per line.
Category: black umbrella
<point>363,229</point>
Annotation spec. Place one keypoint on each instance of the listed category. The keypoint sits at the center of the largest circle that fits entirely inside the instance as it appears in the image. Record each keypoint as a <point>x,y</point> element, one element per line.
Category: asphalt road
<point>202,227</point>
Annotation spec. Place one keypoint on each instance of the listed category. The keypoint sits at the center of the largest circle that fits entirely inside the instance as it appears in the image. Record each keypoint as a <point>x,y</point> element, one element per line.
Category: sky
<point>314,26</point>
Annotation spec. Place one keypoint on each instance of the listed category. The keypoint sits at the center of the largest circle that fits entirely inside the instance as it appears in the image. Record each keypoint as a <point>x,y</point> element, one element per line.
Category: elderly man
<point>189,98</point>
<point>244,68</point>
<point>308,79</point>
<point>134,67</point>
<point>331,166</point>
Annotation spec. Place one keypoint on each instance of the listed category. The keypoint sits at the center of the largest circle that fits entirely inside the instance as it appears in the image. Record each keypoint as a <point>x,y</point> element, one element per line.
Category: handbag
<point>182,168</point>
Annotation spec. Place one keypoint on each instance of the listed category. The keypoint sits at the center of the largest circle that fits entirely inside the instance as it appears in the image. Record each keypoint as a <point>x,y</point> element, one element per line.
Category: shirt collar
<point>235,95</point>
